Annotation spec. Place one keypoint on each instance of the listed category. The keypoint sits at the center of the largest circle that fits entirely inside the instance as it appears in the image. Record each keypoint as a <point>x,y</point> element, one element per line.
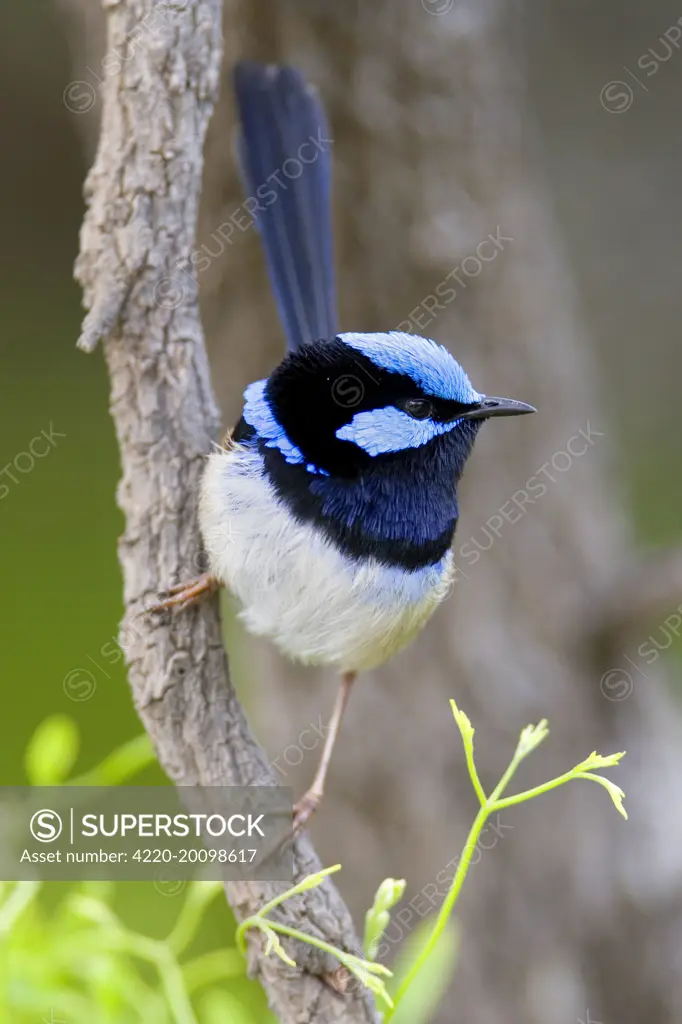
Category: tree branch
<point>143,191</point>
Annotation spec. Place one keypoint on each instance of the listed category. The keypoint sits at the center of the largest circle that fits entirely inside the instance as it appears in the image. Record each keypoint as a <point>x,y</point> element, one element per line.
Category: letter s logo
<point>46,826</point>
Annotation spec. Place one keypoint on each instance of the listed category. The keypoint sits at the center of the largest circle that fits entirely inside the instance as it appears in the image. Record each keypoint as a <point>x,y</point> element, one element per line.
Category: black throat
<point>401,510</point>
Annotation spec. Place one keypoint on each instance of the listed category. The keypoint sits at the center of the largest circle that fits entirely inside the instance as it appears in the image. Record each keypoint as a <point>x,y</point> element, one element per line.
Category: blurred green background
<point>59,521</point>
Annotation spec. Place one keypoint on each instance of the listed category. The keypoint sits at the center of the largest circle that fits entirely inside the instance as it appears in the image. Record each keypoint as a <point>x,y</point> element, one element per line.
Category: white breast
<point>295,586</point>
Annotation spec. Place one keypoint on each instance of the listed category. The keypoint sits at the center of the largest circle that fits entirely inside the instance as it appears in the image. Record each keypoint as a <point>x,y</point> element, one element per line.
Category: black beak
<point>497,407</point>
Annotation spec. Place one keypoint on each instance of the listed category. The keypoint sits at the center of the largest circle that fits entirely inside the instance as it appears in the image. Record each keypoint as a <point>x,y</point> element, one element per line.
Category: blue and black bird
<point>330,510</point>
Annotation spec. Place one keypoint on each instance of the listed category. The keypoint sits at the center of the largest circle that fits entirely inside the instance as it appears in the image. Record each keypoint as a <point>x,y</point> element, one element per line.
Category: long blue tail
<point>284,152</point>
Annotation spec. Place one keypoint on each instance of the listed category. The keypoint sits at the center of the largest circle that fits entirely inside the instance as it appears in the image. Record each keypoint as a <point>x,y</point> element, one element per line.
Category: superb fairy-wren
<point>329,511</point>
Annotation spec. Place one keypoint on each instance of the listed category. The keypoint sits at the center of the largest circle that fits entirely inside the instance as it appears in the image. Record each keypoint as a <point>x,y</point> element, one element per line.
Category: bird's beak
<point>497,407</point>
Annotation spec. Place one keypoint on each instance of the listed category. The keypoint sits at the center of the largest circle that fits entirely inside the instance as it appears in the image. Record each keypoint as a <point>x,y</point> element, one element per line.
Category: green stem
<point>494,799</point>
<point>528,794</point>
<point>157,953</point>
<point>303,886</point>
<point>446,909</point>
<point>293,933</point>
<point>173,983</point>
<point>488,805</point>
<point>191,914</point>
<point>218,965</point>
<point>476,782</point>
<point>119,765</point>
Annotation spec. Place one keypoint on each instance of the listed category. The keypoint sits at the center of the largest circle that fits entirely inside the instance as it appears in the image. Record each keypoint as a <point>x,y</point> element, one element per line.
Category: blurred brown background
<point>449,120</point>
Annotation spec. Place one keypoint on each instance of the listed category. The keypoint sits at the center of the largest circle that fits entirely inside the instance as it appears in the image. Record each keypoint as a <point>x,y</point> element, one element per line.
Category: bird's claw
<point>184,595</point>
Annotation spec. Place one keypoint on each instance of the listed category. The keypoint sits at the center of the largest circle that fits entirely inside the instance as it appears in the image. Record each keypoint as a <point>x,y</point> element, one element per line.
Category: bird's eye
<point>417,408</point>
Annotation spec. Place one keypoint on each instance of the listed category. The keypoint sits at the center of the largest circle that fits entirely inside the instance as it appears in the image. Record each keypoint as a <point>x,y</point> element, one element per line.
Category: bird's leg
<point>184,595</point>
<point>310,801</point>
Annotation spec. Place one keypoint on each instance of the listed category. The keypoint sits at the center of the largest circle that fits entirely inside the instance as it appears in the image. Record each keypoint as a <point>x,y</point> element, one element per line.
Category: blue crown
<point>429,365</point>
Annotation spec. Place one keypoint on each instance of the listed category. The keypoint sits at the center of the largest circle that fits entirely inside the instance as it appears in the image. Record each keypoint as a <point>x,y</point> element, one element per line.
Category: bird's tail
<point>285,162</point>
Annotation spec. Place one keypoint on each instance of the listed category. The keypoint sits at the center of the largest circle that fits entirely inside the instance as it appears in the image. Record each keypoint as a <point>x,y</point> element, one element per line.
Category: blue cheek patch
<point>259,415</point>
<point>380,431</point>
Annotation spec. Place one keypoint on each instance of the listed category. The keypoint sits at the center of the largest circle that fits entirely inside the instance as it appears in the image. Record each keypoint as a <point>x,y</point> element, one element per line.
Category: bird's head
<point>340,407</point>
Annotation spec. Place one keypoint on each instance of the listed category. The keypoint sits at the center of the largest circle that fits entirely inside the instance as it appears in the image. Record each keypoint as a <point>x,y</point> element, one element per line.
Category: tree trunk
<point>143,193</point>
<point>575,913</point>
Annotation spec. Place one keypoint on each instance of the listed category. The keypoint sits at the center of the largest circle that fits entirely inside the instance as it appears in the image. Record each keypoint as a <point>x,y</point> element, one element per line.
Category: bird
<point>329,511</point>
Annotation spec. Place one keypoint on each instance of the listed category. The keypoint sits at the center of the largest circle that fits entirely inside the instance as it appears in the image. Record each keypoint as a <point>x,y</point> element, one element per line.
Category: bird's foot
<point>305,808</point>
<point>184,595</point>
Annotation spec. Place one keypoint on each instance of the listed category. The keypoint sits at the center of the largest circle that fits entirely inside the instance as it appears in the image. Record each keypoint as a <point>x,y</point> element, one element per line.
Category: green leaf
<point>422,998</point>
<point>209,968</point>
<point>94,910</point>
<point>377,917</point>
<point>370,981</point>
<point>309,882</point>
<point>596,760</point>
<point>614,791</point>
<point>52,751</point>
<point>530,738</point>
<point>463,723</point>
<point>219,1006</point>
<point>199,895</point>
<point>273,945</point>
<point>121,764</point>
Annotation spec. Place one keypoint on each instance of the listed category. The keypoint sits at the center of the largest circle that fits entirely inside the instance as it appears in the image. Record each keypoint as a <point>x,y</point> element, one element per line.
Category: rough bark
<point>573,912</point>
<point>143,193</point>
